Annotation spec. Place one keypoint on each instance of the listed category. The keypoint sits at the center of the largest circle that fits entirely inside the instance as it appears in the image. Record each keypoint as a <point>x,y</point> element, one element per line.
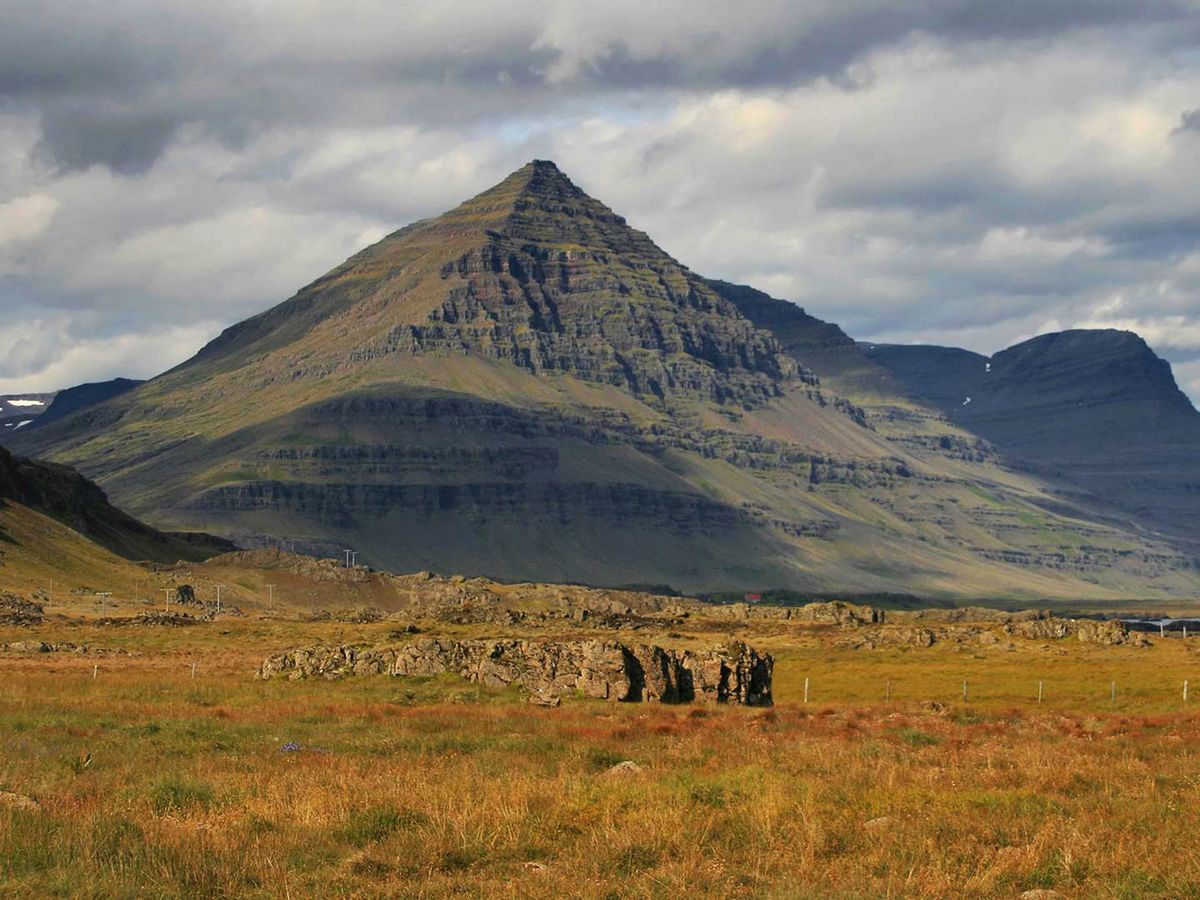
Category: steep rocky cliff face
<point>943,376</point>
<point>1095,409</point>
<point>822,347</point>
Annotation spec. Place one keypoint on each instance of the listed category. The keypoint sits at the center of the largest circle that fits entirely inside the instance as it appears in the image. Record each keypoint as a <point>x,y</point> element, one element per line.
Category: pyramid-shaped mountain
<point>535,273</point>
<point>527,387</point>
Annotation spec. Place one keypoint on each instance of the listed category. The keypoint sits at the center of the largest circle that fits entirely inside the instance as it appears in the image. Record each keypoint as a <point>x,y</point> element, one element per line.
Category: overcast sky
<point>966,172</point>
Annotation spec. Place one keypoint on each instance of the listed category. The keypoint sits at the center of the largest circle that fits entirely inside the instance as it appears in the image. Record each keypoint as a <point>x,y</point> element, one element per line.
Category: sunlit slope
<point>38,553</point>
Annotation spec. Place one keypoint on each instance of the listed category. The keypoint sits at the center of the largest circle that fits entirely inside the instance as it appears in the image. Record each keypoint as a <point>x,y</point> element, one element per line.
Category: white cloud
<point>82,359</point>
<point>26,218</point>
<point>926,171</point>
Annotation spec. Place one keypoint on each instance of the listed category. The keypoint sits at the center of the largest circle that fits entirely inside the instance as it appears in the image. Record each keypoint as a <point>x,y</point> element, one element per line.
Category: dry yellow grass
<point>148,782</point>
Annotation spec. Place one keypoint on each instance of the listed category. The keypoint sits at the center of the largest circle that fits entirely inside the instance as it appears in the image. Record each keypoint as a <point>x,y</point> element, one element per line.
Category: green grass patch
<point>180,795</point>
<point>376,823</point>
<point>915,737</point>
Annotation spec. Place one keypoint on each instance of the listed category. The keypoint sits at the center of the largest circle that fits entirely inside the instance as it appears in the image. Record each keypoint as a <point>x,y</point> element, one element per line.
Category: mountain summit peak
<point>539,202</point>
<point>532,271</point>
<point>535,176</point>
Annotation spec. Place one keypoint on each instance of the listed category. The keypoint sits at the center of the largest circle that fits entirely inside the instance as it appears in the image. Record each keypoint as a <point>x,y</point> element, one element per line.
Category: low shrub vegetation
<point>144,781</point>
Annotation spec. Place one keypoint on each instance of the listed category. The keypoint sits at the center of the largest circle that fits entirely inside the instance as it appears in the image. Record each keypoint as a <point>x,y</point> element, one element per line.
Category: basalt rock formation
<point>836,612</point>
<point>735,674</point>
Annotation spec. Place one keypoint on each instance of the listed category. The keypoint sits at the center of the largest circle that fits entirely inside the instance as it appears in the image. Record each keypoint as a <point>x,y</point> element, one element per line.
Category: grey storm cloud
<point>115,82</point>
<point>958,171</point>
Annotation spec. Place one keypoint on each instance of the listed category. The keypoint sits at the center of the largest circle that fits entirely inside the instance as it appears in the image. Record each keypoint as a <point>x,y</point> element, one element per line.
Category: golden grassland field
<point>136,779</point>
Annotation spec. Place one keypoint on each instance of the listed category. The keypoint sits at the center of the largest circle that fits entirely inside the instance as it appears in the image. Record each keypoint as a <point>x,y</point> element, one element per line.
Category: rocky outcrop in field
<point>836,612</point>
<point>1110,632</point>
<point>16,610</point>
<point>62,647</point>
<point>1030,626</point>
<point>735,673</point>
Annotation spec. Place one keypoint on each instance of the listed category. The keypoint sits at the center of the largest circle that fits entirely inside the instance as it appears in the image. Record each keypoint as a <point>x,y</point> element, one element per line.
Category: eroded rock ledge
<point>735,673</point>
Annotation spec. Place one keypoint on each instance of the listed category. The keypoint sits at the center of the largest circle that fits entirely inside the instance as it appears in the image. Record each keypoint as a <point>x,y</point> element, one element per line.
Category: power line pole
<point>219,586</point>
<point>348,552</point>
<point>271,594</point>
<point>167,594</point>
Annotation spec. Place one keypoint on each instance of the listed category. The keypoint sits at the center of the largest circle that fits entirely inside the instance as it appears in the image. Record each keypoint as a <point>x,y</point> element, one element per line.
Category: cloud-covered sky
<point>966,172</point>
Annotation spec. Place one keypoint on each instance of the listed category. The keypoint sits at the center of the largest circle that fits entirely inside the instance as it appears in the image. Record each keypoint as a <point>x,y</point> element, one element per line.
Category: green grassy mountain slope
<point>63,495</point>
<point>528,388</point>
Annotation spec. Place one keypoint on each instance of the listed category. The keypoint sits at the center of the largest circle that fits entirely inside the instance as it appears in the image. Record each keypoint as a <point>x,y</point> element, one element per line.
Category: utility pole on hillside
<point>219,586</point>
<point>348,553</point>
<point>271,595</point>
<point>167,594</point>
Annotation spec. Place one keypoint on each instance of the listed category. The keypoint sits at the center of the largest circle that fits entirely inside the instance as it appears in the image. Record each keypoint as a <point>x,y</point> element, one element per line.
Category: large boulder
<point>1109,632</point>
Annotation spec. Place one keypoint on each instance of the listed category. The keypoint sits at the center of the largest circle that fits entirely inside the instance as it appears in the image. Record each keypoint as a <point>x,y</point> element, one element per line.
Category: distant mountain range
<point>1094,409</point>
<point>528,388</point>
<point>19,411</point>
